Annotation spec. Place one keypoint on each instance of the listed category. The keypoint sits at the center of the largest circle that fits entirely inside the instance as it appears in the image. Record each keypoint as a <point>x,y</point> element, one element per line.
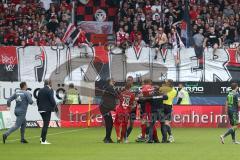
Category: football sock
<point>144,128</point>
<point>129,130</point>
<point>123,132</point>
<point>155,136</point>
<point>169,130</point>
<point>147,130</point>
<point>229,131</point>
<point>164,132</point>
<point>233,134</point>
<point>117,128</point>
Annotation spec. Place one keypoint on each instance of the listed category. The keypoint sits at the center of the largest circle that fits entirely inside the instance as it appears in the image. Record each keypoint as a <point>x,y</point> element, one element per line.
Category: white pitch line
<point>53,134</point>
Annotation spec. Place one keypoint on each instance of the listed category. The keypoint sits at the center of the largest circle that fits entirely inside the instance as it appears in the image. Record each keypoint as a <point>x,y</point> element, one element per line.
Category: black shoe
<point>111,141</point>
<point>24,141</point>
<point>119,141</point>
<point>166,141</point>
<point>108,141</point>
<point>140,139</point>
<point>105,141</point>
<point>4,137</point>
<point>156,141</point>
<point>149,141</point>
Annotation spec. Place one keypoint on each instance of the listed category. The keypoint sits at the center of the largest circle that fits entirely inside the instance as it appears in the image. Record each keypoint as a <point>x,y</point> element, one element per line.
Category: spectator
<point>176,43</point>
<point>228,33</point>
<point>122,37</point>
<point>213,40</point>
<point>156,7</point>
<point>139,42</point>
<point>160,40</point>
<point>238,53</point>
<point>228,11</point>
<point>33,22</point>
<point>133,34</point>
<point>198,43</point>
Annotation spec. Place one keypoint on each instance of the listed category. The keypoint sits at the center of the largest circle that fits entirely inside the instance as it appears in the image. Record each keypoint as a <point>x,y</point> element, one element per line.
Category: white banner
<point>96,27</point>
<point>7,89</point>
<point>141,62</point>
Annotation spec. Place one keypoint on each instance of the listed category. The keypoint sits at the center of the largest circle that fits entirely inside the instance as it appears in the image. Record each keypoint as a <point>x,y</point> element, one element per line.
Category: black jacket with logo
<point>109,99</point>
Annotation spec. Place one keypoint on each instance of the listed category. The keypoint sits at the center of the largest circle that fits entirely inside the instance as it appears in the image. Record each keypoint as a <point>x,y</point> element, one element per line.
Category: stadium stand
<point>38,22</point>
<point>33,22</point>
<point>147,16</point>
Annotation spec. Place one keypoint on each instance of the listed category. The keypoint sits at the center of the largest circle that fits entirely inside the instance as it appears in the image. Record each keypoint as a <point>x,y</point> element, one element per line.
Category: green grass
<point>86,144</point>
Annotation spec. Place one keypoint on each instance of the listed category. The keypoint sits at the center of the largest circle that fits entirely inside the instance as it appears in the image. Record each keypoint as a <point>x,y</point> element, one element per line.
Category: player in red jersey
<point>127,99</point>
<point>147,91</point>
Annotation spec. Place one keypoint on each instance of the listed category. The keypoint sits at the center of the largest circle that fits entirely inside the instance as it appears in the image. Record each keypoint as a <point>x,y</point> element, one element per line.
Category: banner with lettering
<point>92,64</point>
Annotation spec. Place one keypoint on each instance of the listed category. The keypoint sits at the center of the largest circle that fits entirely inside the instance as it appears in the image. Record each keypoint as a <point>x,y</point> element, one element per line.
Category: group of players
<point>155,104</point>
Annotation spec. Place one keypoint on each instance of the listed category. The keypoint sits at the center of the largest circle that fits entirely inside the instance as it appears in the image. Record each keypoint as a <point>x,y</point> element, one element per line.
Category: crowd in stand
<point>214,23</point>
<point>33,22</point>
<point>157,23</point>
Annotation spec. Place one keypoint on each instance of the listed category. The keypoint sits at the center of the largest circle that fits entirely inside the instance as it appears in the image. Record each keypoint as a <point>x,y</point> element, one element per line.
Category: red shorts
<point>122,116</point>
<point>147,114</point>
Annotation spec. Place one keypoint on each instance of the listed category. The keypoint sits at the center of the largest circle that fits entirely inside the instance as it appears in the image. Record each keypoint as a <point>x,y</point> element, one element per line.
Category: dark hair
<point>71,85</point>
<point>130,77</point>
<point>128,85</point>
<point>47,82</point>
<point>234,86</point>
<point>109,80</point>
<point>147,81</point>
<point>169,83</point>
<point>181,84</point>
<point>23,84</point>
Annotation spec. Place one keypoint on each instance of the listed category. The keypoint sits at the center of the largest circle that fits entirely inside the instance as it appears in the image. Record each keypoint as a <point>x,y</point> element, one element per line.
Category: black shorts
<point>212,44</point>
<point>160,46</point>
<point>167,111</point>
<point>158,115</point>
<point>233,117</point>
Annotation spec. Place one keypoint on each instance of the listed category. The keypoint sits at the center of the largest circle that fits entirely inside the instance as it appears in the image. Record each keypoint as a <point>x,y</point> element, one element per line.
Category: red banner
<point>3,108</point>
<point>183,116</point>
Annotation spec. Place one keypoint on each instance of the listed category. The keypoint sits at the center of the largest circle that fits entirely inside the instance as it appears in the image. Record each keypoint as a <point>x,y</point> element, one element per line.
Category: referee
<point>108,104</point>
<point>167,107</point>
<point>23,98</point>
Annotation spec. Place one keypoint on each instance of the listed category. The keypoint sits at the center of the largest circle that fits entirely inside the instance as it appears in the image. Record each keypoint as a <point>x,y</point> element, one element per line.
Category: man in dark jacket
<point>157,114</point>
<point>46,104</point>
<point>107,105</point>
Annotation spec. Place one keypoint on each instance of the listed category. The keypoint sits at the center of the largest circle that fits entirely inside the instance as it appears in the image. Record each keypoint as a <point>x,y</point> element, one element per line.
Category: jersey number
<point>126,102</point>
<point>230,99</point>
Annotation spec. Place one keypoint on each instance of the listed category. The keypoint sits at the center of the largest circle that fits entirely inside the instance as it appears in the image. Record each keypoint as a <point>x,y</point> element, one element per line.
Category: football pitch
<point>86,144</point>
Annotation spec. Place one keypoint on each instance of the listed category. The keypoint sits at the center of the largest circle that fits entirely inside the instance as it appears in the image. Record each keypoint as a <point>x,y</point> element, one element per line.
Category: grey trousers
<point>20,122</point>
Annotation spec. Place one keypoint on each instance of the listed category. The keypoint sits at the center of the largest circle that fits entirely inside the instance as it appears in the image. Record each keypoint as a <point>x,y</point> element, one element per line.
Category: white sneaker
<point>222,139</point>
<point>171,139</point>
<point>139,136</point>
<point>236,142</point>
<point>126,141</point>
<point>46,142</point>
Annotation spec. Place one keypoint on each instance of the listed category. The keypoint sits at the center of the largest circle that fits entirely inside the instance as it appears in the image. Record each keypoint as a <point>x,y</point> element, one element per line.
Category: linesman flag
<point>71,34</point>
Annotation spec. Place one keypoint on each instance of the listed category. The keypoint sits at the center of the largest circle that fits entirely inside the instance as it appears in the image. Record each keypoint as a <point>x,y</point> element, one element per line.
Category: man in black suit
<point>108,104</point>
<point>46,104</point>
